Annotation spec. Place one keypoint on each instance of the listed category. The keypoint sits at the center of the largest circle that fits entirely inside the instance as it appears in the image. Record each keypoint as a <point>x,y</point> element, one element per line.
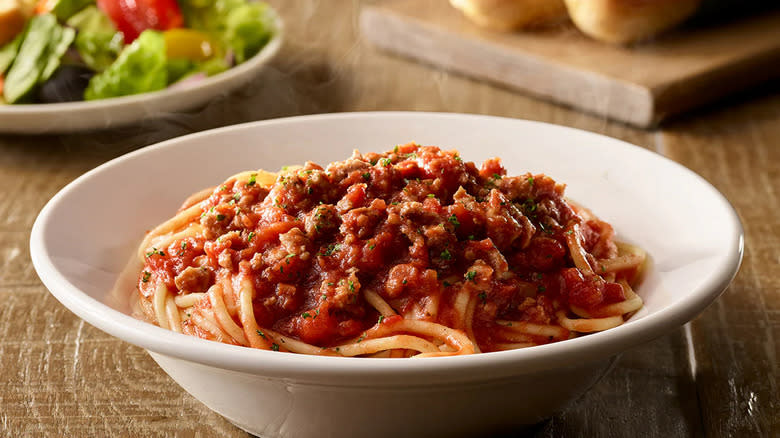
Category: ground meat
<point>342,170</point>
<point>321,221</point>
<point>362,221</point>
<point>193,279</point>
<point>505,223</point>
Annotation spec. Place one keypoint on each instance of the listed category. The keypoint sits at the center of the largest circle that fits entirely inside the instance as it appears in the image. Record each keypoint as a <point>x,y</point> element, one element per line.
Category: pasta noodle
<point>408,253</point>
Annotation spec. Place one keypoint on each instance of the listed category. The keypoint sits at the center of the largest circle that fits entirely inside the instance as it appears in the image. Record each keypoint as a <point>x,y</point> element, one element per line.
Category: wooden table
<point>716,377</point>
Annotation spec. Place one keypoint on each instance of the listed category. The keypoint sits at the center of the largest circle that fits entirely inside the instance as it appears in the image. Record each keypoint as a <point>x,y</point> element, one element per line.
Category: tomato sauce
<point>416,225</point>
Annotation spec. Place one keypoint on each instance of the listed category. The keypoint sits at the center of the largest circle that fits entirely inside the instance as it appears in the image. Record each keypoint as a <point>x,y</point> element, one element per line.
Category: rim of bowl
<point>236,72</point>
<point>360,371</point>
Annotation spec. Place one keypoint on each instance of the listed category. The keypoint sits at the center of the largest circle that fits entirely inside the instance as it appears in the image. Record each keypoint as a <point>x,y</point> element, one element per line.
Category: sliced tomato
<point>132,17</point>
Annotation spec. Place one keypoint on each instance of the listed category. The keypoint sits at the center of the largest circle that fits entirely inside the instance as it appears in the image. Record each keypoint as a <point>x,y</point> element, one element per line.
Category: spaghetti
<point>412,252</point>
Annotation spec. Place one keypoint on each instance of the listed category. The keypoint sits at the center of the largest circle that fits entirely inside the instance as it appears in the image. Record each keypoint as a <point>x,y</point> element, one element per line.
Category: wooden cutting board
<point>638,85</point>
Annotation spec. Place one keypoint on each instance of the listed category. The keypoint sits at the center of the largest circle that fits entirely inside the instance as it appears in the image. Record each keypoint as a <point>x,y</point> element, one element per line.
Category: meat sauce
<point>416,225</point>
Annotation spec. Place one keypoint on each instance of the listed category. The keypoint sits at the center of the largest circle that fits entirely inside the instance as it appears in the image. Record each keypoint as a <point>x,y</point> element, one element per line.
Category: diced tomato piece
<point>132,17</point>
<point>614,293</point>
<point>583,291</point>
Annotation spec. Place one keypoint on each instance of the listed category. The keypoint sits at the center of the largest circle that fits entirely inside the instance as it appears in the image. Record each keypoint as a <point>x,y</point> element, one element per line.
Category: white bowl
<point>87,232</point>
<point>119,111</point>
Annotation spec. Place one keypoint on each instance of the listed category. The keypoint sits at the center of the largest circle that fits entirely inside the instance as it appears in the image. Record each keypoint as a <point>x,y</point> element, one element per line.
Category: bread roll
<point>512,14</point>
<point>12,20</point>
<point>628,21</point>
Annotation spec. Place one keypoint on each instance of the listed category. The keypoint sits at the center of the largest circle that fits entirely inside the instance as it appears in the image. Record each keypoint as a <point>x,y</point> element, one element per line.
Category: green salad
<point>70,50</point>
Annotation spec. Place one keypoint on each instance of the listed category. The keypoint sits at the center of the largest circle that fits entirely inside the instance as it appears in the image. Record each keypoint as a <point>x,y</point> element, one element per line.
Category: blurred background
<point>706,98</point>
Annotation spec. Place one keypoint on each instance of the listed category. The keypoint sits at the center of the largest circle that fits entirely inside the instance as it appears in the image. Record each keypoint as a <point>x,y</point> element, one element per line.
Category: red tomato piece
<point>132,17</point>
<point>586,291</point>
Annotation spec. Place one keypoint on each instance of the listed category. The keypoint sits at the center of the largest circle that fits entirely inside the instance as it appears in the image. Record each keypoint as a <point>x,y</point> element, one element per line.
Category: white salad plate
<point>85,235</point>
<point>110,113</point>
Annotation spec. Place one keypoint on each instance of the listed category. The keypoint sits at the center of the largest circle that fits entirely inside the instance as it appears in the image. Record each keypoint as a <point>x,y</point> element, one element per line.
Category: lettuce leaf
<point>140,68</point>
<point>40,54</point>
<point>8,52</point>
<point>97,41</point>
<point>248,29</point>
<point>241,26</point>
<point>64,9</point>
<point>179,68</point>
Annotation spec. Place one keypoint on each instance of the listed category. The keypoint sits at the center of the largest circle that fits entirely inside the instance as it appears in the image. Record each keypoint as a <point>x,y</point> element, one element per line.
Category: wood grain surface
<point>640,85</point>
<point>716,377</point>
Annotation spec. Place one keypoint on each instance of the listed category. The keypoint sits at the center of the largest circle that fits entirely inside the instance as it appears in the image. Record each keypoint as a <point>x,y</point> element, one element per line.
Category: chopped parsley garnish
<point>395,149</point>
<point>403,282</point>
<point>262,335</point>
<point>471,275</point>
<point>316,314</point>
<point>483,296</point>
<point>250,236</point>
<point>367,176</point>
<point>471,237</point>
<point>545,229</point>
<point>446,255</point>
<point>252,180</point>
<point>275,346</point>
<point>381,318</point>
<point>529,206</point>
<point>222,188</point>
<point>530,180</point>
<point>496,176</point>
<point>385,162</point>
<point>454,220</point>
<point>446,283</point>
<point>351,286</point>
<point>457,158</point>
<point>147,275</point>
<point>333,247</point>
<point>306,315</point>
<point>371,247</point>
<point>289,256</point>
<point>411,155</point>
<point>431,195</point>
<point>155,251</point>
<point>570,232</point>
<point>541,288</point>
<point>360,339</point>
<point>220,217</point>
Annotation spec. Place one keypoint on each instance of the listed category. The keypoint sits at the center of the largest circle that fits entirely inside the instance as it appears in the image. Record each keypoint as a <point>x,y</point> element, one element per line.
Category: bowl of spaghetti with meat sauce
<point>411,252</point>
<point>543,291</point>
